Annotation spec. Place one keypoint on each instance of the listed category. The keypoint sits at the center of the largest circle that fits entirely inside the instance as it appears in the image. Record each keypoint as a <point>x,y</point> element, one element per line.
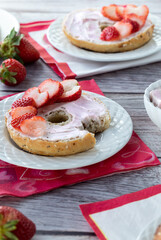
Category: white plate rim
<point>87,153</point>
<point>111,57</point>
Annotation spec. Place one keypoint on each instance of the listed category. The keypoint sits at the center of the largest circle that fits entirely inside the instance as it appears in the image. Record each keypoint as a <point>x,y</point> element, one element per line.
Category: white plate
<point>107,143</point>
<point>57,38</point>
<point>149,231</point>
<point>7,22</point>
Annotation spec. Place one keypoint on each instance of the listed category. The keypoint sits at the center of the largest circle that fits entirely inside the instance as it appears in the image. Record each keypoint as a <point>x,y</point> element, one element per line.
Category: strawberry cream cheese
<point>155,97</point>
<point>87,25</point>
<point>75,117</point>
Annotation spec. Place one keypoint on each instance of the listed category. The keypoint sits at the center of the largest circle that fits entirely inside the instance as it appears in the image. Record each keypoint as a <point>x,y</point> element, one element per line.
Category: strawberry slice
<point>110,12</point>
<point>139,19</point>
<point>110,34</point>
<point>16,121</point>
<point>23,102</point>
<point>69,84</point>
<point>130,6</point>
<point>19,111</point>
<point>141,11</point>
<point>71,95</point>
<point>72,91</point>
<point>124,28</point>
<point>120,11</point>
<point>135,25</point>
<point>54,88</point>
<point>39,98</point>
<point>34,127</point>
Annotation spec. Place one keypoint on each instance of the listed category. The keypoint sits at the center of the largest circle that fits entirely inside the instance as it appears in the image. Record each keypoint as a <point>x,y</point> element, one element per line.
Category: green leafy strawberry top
<point>7,75</point>
<point>7,228</point>
<point>8,48</point>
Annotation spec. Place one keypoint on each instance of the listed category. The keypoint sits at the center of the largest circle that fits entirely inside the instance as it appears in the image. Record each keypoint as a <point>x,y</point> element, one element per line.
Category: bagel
<point>83,29</point>
<point>70,127</point>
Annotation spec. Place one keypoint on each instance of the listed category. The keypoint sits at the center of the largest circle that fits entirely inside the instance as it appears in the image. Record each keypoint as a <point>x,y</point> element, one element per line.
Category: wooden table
<point>56,213</point>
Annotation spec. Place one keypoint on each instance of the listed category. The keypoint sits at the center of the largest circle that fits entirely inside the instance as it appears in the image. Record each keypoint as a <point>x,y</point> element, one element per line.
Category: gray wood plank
<point>63,237</point>
<point>24,17</point>
<point>132,80</point>
<point>63,6</point>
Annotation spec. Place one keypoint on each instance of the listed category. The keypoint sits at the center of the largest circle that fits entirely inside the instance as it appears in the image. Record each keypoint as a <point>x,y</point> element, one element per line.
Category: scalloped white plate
<point>57,38</point>
<point>7,22</point>
<point>149,231</point>
<point>107,143</point>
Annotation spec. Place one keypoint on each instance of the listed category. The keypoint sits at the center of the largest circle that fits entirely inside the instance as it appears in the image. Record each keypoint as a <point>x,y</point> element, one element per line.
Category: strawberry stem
<point>7,228</point>
<point>8,48</point>
<point>6,75</point>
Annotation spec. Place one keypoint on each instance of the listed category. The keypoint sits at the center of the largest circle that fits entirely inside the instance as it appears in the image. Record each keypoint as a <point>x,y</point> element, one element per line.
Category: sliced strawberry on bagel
<point>23,102</point>
<point>54,88</point>
<point>19,111</point>
<point>40,98</point>
<point>16,121</point>
<point>124,28</point>
<point>34,127</point>
<point>120,11</point>
<point>110,34</point>
<point>72,91</point>
<point>139,19</point>
<point>135,25</point>
<point>141,11</point>
<point>110,12</point>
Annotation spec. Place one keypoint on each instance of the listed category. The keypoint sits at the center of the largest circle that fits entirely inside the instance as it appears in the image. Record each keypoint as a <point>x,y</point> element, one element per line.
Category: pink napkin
<point>125,217</point>
<point>22,182</point>
<point>71,67</point>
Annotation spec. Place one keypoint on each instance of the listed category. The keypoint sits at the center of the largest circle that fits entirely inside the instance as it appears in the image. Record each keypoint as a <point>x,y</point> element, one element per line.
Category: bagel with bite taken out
<point>54,120</point>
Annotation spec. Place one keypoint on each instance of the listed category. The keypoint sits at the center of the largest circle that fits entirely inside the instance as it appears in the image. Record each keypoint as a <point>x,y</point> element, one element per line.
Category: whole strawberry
<point>27,52</point>
<point>18,47</point>
<point>12,72</point>
<point>14,225</point>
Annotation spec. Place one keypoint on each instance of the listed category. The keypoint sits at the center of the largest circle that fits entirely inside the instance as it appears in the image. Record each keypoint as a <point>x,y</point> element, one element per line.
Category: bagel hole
<point>103,26</point>
<point>58,117</point>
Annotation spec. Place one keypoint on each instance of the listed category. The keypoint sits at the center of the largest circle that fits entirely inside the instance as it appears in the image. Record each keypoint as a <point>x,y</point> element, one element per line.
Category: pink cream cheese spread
<point>86,25</point>
<point>155,97</point>
<point>80,113</point>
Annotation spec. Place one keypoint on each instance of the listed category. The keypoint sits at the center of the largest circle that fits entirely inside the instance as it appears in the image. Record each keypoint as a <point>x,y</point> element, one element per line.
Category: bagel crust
<point>49,148</point>
<point>62,147</point>
<point>134,41</point>
<point>131,44</point>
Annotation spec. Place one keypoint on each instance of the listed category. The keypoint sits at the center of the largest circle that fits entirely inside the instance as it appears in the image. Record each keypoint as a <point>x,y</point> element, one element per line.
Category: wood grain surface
<point>56,213</point>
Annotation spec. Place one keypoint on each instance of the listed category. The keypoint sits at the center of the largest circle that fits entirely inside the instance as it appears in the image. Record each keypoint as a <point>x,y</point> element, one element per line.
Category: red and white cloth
<point>22,182</point>
<point>70,67</point>
<point>126,216</point>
